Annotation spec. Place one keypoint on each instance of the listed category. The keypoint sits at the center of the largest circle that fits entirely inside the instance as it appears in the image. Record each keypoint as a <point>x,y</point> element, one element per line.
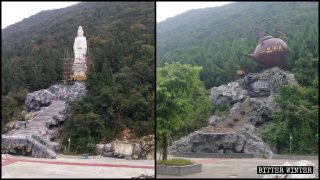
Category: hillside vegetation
<point>121,85</point>
<point>218,39</point>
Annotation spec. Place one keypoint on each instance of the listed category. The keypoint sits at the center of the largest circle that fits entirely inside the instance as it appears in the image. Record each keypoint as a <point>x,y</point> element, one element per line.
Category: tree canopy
<point>217,38</point>
<point>180,95</point>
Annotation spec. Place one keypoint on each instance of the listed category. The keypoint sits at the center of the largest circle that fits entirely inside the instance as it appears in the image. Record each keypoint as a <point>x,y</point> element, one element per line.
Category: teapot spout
<point>252,56</point>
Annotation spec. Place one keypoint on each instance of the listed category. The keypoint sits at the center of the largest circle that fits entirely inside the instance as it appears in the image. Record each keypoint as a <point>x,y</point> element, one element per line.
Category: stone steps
<point>41,146</point>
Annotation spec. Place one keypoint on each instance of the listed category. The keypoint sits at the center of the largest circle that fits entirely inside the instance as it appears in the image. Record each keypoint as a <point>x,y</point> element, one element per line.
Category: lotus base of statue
<point>79,77</point>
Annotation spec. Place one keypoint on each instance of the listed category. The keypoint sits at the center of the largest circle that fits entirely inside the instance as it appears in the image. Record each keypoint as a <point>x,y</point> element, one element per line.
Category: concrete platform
<point>28,167</point>
<point>178,170</point>
<point>231,168</point>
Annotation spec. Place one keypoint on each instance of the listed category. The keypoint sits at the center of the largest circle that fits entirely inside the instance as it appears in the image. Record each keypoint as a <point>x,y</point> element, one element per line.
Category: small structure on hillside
<point>241,73</point>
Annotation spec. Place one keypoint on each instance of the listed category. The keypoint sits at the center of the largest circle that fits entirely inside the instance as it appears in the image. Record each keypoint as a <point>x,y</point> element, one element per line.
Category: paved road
<point>28,167</point>
<point>231,168</point>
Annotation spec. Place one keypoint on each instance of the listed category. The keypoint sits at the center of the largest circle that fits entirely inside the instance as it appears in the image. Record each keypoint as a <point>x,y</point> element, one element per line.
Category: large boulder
<point>56,120</point>
<point>107,150</point>
<point>55,89</point>
<point>242,141</point>
<point>199,142</point>
<point>254,143</point>
<point>235,107</point>
<point>75,91</point>
<point>228,94</point>
<point>147,145</point>
<point>137,151</point>
<point>99,149</point>
<point>261,111</point>
<point>37,99</point>
<point>265,83</point>
<point>68,92</point>
<point>25,145</point>
<point>214,120</point>
<point>107,147</point>
<point>59,118</point>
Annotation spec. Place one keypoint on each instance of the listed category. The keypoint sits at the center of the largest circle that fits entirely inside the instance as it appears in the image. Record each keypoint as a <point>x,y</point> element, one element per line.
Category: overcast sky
<point>12,12</point>
<point>170,9</point>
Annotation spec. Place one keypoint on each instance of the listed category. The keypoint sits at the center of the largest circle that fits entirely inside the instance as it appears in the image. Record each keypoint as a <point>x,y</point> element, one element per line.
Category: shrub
<point>175,162</point>
<point>91,148</point>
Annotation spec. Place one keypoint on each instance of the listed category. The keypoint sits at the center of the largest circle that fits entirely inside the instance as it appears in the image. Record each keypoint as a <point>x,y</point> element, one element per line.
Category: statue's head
<point>80,31</point>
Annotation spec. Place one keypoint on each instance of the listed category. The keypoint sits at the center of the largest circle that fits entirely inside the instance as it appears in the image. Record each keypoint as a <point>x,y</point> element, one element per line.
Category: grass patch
<point>175,162</point>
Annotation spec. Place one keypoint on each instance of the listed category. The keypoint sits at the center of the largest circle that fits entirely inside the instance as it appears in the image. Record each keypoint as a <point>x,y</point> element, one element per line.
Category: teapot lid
<point>267,37</point>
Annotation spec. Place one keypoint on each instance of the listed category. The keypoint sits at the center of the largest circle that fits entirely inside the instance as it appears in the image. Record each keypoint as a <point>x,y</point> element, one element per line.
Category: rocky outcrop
<point>261,111</point>
<point>252,85</point>
<point>251,103</point>
<point>68,92</point>
<point>37,99</point>
<point>214,120</point>
<point>44,97</point>
<point>265,83</point>
<point>56,120</point>
<point>144,148</point>
<point>99,148</point>
<point>25,145</point>
<point>147,145</point>
<point>228,94</point>
<point>47,110</point>
<point>200,142</point>
<point>35,135</point>
<point>243,141</point>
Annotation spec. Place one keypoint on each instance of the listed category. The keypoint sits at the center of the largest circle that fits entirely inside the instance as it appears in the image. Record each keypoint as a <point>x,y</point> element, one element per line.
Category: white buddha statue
<point>80,50</point>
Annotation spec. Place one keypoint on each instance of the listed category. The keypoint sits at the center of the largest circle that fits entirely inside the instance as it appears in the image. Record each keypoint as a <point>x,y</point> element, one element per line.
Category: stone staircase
<point>35,138</point>
<point>38,124</point>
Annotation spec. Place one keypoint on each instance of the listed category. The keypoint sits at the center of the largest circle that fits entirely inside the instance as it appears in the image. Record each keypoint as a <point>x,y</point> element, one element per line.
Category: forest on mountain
<point>218,39</point>
<point>121,83</point>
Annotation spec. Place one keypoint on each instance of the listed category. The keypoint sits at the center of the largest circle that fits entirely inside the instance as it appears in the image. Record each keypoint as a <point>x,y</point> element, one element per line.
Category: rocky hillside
<point>46,110</point>
<point>120,85</point>
<point>238,132</point>
<point>218,39</point>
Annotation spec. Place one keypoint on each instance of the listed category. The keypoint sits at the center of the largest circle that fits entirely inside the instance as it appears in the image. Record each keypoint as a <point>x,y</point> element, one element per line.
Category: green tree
<point>179,91</point>
<point>84,129</point>
<point>12,105</point>
<point>298,116</point>
<point>306,69</point>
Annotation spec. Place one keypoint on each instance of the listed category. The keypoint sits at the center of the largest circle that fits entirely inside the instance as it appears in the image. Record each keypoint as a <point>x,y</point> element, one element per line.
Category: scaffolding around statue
<point>68,76</point>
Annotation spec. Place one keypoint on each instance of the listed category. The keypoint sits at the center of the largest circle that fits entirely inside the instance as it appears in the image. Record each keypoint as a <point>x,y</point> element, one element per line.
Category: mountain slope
<point>121,82</point>
<point>216,38</point>
<point>48,35</point>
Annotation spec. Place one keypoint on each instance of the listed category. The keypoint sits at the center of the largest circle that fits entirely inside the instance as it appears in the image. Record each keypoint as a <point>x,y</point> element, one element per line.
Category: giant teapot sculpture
<point>270,51</point>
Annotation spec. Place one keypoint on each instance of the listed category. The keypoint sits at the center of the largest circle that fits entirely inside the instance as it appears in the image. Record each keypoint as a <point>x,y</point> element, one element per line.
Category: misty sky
<point>170,9</point>
<point>12,12</point>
